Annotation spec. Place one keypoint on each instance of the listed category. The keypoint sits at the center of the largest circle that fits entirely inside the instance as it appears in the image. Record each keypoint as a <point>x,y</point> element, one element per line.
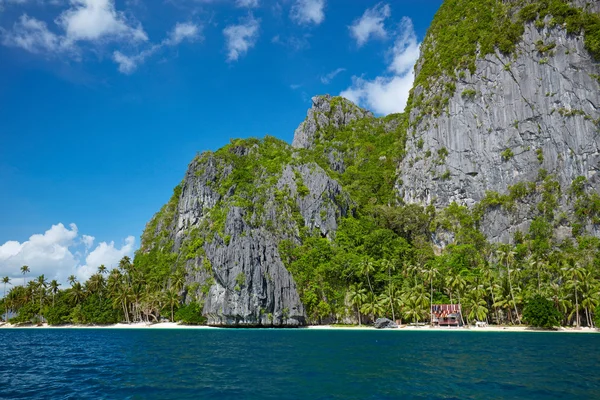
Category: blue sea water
<point>296,364</point>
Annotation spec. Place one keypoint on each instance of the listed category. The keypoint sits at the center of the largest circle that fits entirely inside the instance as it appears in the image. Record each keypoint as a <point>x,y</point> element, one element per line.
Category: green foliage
<point>541,312</point>
<point>507,154</point>
<point>190,314</point>
<point>240,281</point>
<point>544,47</point>
<point>540,155</point>
<point>468,94</point>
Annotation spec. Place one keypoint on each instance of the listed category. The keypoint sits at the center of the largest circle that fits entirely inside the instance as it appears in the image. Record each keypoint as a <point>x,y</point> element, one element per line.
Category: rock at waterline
<point>383,323</point>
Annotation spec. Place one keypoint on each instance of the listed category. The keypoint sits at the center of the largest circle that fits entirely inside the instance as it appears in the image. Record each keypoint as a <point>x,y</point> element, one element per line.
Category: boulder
<point>383,323</point>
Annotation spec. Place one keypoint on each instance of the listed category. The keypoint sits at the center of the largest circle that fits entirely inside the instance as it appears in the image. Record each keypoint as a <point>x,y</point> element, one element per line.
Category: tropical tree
<point>430,272</point>
<point>172,299</point>
<point>25,270</point>
<point>6,281</point>
<point>390,266</point>
<point>42,284</point>
<point>508,256</point>
<point>367,267</point>
<point>72,279</point>
<point>358,296</point>
<point>54,289</point>
<point>573,273</point>
<point>372,306</point>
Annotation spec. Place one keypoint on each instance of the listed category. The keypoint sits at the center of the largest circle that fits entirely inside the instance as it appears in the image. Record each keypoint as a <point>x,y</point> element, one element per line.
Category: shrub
<point>540,312</point>
<point>190,314</point>
<point>468,94</point>
<point>507,154</point>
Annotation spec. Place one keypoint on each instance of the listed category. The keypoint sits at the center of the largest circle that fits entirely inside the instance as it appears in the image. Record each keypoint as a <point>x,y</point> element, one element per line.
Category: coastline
<point>427,328</point>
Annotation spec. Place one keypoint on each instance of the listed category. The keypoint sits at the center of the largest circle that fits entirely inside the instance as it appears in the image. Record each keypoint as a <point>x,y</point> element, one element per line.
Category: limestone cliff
<point>226,220</point>
<point>504,119</point>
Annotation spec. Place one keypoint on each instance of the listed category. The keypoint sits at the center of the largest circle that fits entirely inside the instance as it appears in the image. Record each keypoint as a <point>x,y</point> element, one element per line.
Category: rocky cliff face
<point>504,121</point>
<point>515,115</point>
<point>226,220</point>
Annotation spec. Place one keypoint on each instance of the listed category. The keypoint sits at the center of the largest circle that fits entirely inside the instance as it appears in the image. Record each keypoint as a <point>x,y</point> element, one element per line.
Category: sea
<point>296,364</point>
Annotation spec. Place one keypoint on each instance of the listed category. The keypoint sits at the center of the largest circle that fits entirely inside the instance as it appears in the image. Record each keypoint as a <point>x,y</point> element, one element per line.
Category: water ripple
<point>295,364</point>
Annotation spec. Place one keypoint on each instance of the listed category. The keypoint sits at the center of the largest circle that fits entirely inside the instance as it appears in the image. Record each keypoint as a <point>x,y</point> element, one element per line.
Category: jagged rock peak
<point>326,111</point>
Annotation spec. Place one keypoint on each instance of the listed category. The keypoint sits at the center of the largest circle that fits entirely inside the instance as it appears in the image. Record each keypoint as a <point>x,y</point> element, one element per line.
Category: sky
<point>104,103</point>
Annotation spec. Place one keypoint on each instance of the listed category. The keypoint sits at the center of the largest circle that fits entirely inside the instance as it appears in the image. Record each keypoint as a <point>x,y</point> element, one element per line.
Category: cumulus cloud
<point>85,20</point>
<point>98,19</point>
<point>389,93</point>
<point>106,254</point>
<point>329,77</point>
<point>55,254</point>
<point>241,38</point>
<point>181,32</point>
<point>371,24</point>
<point>305,12</point>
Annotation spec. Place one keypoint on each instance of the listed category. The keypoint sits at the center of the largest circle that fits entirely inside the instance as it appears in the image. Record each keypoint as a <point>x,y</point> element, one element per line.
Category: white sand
<point>402,328</point>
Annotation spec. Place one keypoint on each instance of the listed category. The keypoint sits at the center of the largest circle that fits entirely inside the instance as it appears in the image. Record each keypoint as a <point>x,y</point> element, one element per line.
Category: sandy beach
<point>402,328</point>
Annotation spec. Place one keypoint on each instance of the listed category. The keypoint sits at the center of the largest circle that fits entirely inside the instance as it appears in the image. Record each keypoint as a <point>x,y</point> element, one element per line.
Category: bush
<point>597,316</point>
<point>540,312</point>
<point>190,314</point>
<point>507,154</point>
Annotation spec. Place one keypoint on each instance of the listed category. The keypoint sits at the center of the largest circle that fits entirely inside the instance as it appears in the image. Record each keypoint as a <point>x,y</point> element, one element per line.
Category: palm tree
<point>509,257</point>
<point>24,270</point>
<point>42,283</point>
<point>390,266</point>
<point>574,273</point>
<point>358,296</point>
<point>372,306</point>
<point>54,289</point>
<point>476,303</point>
<point>413,309</point>
<point>72,279</point>
<point>172,299</point>
<point>430,274</point>
<point>589,295</point>
<point>102,269</point>
<point>367,267</point>
<point>6,281</point>
<point>457,284</point>
<point>76,294</point>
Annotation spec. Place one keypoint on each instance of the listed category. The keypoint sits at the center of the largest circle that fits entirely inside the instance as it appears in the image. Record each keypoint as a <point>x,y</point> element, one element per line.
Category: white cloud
<point>181,31</point>
<point>306,12</point>
<point>389,94</point>
<point>406,49</point>
<point>241,38</point>
<point>87,240</point>
<point>33,35</point>
<point>329,77</point>
<point>54,254</point>
<point>98,19</point>
<point>85,20</point>
<point>105,254</point>
<point>370,24</point>
<point>246,3</point>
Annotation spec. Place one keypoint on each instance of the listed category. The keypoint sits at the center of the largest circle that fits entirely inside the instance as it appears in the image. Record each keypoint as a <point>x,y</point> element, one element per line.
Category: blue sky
<point>103,103</point>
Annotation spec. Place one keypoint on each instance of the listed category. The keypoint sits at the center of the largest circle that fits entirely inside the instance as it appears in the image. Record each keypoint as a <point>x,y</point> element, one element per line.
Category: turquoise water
<point>296,364</point>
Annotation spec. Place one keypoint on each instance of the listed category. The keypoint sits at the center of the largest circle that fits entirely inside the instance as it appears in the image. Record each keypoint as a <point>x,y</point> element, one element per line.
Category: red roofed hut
<point>446,315</point>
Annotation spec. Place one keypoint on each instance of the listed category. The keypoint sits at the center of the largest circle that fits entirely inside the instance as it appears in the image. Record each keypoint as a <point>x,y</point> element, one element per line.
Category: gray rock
<point>238,274</point>
<point>524,105</point>
<point>384,323</point>
<point>326,111</point>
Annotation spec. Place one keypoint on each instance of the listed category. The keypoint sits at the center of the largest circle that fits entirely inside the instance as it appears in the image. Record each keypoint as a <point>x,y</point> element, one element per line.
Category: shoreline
<point>427,328</point>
